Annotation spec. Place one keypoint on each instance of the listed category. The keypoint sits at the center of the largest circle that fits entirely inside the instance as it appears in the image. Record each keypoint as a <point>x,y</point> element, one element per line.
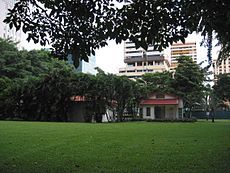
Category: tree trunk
<point>119,115</point>
<point>107,116</point>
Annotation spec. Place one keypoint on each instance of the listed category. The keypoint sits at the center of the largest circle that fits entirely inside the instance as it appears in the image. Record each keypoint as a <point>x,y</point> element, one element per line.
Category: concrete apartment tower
<point>140,61</point>
<point>180,49</point>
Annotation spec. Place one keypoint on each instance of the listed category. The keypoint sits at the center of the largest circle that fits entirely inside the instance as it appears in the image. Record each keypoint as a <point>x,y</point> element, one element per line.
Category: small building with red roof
<point>162,106</point>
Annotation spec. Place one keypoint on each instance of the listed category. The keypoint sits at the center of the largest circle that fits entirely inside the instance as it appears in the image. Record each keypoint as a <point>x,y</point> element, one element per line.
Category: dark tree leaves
<point>80,27</point>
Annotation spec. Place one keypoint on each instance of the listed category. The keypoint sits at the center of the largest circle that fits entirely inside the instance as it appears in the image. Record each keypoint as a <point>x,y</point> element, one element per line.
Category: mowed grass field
<point>136,147</point>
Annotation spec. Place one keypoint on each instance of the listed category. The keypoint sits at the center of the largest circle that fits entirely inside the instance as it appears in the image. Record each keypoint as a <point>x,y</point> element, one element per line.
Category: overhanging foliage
<point>80,27</point>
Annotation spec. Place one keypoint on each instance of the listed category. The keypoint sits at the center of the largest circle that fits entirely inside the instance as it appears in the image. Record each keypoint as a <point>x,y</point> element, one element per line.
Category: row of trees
<point>26,81</point>
<point>35,86</point>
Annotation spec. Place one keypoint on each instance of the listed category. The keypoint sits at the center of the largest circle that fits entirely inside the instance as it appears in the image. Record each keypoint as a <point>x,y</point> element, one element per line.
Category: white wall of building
<point>152,112</point>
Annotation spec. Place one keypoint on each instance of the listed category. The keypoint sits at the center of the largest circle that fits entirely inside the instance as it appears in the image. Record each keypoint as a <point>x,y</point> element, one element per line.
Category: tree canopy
<point>188,82</point>
<point>26,78</point>
<point>35,86</point>
<point>80,27</point>
<point>160,82</point>
<point>222,89</point>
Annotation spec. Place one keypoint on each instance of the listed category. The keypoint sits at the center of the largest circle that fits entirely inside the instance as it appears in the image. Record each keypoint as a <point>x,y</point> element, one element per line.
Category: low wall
<point>218,114</point>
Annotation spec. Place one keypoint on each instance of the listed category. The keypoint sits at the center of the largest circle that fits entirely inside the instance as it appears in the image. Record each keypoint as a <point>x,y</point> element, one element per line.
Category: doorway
<point>159,112</point>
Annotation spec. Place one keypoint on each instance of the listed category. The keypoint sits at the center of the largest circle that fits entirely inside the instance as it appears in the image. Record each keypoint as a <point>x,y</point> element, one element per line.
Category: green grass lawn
<point>201,147</point>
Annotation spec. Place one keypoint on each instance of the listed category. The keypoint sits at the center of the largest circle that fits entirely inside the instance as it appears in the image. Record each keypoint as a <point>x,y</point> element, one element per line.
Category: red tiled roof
<point>78,98</point>
<point>159,102</point>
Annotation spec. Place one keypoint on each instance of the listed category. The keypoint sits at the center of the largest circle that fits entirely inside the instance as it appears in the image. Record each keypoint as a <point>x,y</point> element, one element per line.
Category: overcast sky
<point>110,58</point>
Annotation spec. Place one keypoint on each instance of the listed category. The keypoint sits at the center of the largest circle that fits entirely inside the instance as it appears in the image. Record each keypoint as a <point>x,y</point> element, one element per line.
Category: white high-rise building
<point>140,61</point>
<point>5,31</point>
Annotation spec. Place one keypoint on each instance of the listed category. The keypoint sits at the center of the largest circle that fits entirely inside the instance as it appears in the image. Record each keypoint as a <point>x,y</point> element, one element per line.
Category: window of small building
<point>148,112</point>
<point>139,64</point>
<point>160,96</point>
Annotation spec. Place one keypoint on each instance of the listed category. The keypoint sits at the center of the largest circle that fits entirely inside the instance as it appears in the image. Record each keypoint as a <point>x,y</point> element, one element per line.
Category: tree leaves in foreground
<point>80,27</point>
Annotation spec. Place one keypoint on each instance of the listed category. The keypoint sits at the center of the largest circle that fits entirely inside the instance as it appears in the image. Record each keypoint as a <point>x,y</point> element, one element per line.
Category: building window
<point>158,63</point>
<point>134,51</point>
<point>139,64</point>
<point>131,64</point>
<point>148,112</point>
<point>136,57</point>
<point>160,96</point>
<point>150,63</point>
<point>130,71</point>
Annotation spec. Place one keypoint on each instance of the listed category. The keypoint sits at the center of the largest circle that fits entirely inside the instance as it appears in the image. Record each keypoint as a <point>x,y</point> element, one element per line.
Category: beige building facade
<point>180,49</point>
<point>221,67</point>
<point>140,61</point>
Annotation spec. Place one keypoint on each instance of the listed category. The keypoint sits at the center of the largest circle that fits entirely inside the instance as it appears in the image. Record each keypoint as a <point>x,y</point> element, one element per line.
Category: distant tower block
<point>140,61</point>
<point>180,49</point>
<point>221,67</point>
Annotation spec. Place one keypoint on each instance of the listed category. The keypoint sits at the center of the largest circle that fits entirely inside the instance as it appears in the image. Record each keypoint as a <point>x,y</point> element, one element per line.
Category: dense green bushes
<point>35,86</point>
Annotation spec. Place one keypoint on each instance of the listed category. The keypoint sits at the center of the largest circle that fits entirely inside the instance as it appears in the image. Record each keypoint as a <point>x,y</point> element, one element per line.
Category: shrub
<point>173,120</point>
